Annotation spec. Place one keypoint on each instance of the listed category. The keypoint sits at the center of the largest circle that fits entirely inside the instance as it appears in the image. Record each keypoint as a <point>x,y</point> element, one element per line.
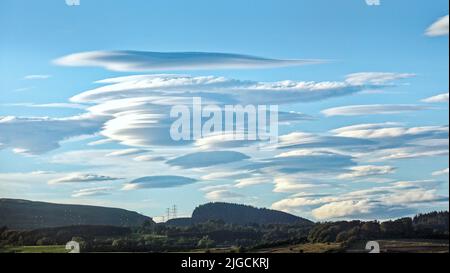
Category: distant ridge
<point>24,214</point>
<point>238,214</point>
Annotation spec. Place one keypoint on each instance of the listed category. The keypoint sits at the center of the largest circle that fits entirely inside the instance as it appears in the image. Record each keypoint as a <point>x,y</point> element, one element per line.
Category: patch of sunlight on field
<point>300,248</point>
<point>404,246</point>
<point>34,249</point>
<point>415,246</point>
<point>304,248</point>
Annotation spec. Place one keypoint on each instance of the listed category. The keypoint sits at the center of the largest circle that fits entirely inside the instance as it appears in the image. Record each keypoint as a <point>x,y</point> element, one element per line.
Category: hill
<point>239,215</point>
<point>60,235</point>
<point>180,222</point>
<point>23,214</point>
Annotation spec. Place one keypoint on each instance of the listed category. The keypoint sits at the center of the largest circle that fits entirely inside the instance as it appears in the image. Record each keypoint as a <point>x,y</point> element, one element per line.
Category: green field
<point>299,248</point>
<point>34,249</point>
<point>304,248</point>
<point>405,246</point>
<point>387,246</point>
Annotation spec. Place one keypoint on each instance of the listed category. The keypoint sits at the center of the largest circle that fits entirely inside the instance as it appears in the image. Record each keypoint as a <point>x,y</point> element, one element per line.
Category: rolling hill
<point>239,215</point>
<point>23,215</point>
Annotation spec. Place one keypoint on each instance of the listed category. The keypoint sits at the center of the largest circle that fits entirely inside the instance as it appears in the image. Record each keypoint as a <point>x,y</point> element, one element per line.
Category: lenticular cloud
<point>135,61</point>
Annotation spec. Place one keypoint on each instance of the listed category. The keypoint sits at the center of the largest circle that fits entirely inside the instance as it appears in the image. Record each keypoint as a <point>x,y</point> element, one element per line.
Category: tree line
<point>151,237</point>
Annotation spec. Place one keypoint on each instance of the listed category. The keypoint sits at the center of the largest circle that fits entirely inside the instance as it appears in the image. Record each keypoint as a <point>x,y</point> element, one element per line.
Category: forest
<point>213,234</point>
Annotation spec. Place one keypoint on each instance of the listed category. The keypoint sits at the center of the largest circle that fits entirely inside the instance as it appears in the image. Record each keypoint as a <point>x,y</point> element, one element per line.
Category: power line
<point>168,214</point>
<point>174,211</point>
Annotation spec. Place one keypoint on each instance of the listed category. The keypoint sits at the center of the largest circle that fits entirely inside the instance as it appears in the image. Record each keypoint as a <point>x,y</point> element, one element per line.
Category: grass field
<point>304,248</point>
<point>300,248</point>
<point>386,246</point>
<point>34,249</point>
<point>406,246</point>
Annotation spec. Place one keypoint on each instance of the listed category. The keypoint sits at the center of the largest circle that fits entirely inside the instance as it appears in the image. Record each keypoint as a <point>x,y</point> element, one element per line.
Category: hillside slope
<point>23,214</point>
<point>238,214</point>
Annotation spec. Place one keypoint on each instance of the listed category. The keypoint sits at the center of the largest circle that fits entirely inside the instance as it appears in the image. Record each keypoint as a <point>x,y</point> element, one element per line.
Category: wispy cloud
<point>149,158</point>
<point>376,78</point>
<point>252,181</point>
<point>392,131</point>
<point>207,159</point>
<point>127,152</point>
<point>441,98</point>
<point>82,178</point>
<point>440,172</point>
<point>47,105</point>
<point>373,109</point>
<point>367,171</point>
<point>37,77</point>
<point>100,191</point>
<point>293,184</point>
<point>439,28</point>
<point>23,89</point>
<point>224,195</point>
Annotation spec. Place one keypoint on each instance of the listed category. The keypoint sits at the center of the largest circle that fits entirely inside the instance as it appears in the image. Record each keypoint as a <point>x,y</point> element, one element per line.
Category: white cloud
<point>223,140</point>
<point>37,77</point>
<point>207,159</point>
<point>48,105</point>
<point>149,158</point>
<point>365,171</point>
<point>308,140</point>
<point>223,175</point>
<point>302,161</point>
<point>304,152</point>
<point>217,187</point>
<point>442,98</point>
<point>101,142</point>
<point>376,78</point>
<point>42,172</point>
<point>342,209</point>
<point>223,195</point>
<point>82,178</point>
<point>169,89</point>
<point>286,184</point>
<point>395,199</point>
<point>137,107</point>
<point>92,158</point>
<point>438,28</point>
<point>127,152</point>
<point>35,177</point>
<point>298,202</point>
<point>367,126</point>
<point>23,89</point>
<point>40,135</point>
<point>133,61</point>
<point>158,182</point>
<point>413,196</point>
<point>407,153</point>
<point>100,191</point>
<point>440,172</point>
<point>133,111</point>
<point>374,109</point>
<point>390,130</point>
<point>252,181</point>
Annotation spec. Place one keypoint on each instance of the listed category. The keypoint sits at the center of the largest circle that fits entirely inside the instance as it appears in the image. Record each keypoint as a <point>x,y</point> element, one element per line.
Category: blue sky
<point>389,62</point>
